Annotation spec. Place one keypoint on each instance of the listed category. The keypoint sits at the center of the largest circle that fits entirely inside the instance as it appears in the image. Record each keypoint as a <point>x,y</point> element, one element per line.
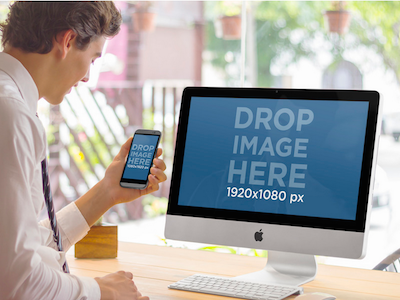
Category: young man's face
<point>73,69</point>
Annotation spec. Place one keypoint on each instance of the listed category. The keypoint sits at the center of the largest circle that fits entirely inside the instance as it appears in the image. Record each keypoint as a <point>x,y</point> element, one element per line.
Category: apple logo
<point>258,236</point>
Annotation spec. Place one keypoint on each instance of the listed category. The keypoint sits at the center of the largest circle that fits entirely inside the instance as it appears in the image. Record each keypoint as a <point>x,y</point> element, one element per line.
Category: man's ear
<point>63,42</point>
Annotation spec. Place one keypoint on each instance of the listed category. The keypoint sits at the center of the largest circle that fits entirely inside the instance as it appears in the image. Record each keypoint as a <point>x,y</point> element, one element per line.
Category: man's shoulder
<point>16,119</point>
<point>8,88</point>
<point>11,102</point>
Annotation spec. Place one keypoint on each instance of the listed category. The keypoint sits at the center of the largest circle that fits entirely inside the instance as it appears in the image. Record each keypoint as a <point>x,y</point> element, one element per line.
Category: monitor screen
<point>287,158</point>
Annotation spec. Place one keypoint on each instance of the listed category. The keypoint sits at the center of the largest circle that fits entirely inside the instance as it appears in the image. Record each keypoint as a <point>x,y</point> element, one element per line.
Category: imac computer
<point>285,170</point>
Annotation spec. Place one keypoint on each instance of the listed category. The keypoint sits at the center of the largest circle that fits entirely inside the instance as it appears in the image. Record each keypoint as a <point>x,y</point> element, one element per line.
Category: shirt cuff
<point>72,225</point>
<point>90,289</point>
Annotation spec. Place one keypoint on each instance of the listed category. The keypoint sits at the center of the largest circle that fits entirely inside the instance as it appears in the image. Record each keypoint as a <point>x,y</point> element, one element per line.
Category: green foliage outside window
<point>287,31</point>
<point>154,206</point>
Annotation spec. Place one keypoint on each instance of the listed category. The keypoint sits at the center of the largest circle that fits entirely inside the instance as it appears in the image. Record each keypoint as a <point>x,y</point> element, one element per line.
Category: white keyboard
<point>231,287</point>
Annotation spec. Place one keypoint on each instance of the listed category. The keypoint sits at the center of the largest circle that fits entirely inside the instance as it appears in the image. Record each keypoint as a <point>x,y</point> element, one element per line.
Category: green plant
<point>98,222</point>
<point>284,33</point>
<point>227,8</point>
<point>3,10</point>
<point>287,31</point>
<point>225,249</point>
<point>338,5</point>
<point>154,206</point>
<point>148,118</point>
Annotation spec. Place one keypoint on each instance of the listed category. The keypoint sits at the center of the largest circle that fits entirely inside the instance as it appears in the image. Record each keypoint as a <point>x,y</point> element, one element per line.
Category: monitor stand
<point>285,268</point>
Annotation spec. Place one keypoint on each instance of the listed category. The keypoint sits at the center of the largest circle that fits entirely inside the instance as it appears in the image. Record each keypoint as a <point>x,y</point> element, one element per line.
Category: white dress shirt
<point>30,263</point>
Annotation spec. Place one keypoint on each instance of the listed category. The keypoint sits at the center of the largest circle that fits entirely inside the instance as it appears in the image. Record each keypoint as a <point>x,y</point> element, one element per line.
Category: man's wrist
<point>95,202</point>
<point>106,193</point>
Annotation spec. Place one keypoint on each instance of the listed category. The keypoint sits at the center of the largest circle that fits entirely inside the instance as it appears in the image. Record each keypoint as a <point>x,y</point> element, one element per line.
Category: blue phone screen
<point>140,157</point>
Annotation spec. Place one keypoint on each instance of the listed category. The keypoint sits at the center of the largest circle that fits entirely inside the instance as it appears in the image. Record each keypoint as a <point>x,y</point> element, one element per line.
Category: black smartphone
<point>140,159</point>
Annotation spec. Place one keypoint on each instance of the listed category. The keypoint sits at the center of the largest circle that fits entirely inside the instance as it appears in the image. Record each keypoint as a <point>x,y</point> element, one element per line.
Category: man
<point>48,49</point>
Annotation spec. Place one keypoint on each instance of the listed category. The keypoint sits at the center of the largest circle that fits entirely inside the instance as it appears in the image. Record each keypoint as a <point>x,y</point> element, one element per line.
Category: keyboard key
<point>218,292</point>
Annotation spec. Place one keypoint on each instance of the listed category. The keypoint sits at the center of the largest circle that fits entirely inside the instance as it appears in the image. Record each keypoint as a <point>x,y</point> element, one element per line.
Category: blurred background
<point>164,46</point>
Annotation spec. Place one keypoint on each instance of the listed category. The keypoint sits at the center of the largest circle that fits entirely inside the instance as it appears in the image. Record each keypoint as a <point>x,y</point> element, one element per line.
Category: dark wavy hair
<point>32,26</point>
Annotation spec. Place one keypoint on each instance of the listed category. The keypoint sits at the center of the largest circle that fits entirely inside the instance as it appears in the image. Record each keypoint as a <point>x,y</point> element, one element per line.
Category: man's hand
<point>107,192</point>
<point>119,286</point>
<point>114,171</point>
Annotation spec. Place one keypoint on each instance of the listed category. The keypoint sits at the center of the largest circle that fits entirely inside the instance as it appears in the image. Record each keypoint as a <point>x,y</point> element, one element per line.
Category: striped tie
<point>48,199</point>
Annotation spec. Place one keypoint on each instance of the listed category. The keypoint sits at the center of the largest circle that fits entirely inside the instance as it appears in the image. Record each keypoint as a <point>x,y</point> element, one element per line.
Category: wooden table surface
<point>155,267</point>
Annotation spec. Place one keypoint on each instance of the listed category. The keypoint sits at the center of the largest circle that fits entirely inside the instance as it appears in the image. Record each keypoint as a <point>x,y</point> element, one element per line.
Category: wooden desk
<point>155,267</point>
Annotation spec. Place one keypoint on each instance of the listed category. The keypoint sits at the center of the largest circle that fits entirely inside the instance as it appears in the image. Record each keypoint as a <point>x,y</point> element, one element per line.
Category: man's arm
<point>101,198</point>
<point>71,224</point>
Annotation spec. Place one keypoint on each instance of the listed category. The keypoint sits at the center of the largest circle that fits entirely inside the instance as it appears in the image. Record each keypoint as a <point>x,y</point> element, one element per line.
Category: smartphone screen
<point>140,159</point>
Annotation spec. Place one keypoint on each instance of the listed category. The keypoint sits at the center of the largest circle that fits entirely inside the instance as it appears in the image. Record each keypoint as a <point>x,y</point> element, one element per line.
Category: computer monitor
<point>285,170</point>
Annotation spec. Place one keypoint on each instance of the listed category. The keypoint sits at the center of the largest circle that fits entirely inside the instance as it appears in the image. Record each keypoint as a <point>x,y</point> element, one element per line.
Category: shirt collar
<point>22,79</point>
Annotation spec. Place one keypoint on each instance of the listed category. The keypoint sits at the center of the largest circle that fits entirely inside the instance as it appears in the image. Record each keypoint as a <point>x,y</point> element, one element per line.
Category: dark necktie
<point>48,199</point>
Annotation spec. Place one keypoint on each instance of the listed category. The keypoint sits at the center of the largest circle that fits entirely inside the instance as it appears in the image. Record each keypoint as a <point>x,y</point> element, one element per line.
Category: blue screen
<point>292,157</point>
<point>140,157</point>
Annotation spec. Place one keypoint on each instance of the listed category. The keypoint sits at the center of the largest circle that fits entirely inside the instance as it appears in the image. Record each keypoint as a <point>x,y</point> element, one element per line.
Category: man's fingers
<point>159,163</point>
<point>159,174</point>
<point>123,152</point>
<point>129,275</point>
<point>159,152</point>
<point>153,184</point>
<point>126,274</point>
